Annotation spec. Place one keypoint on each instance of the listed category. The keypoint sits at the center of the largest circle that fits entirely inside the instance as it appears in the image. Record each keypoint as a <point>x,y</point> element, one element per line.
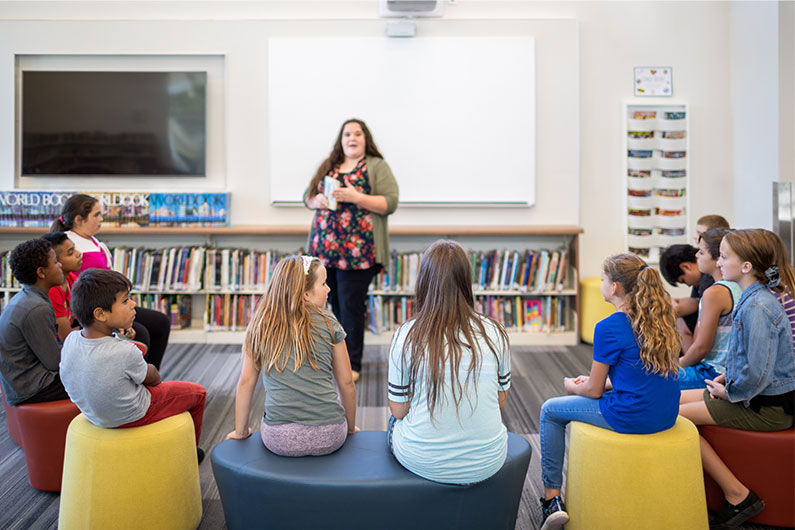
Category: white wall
<point>754,109</point>
<point>694,38</point>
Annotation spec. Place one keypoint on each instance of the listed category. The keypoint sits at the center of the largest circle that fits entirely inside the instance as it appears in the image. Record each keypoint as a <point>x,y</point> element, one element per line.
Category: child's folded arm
<point>152,376</point>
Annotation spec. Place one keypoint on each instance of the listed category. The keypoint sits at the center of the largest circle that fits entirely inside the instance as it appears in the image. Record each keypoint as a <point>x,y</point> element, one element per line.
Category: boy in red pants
<point>105,375</point>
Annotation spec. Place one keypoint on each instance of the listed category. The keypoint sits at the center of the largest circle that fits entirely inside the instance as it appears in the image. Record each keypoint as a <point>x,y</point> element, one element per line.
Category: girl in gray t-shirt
<point>296,345</point>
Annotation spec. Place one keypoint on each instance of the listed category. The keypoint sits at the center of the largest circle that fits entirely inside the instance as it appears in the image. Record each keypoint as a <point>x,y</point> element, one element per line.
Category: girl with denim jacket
<point>757,391</point>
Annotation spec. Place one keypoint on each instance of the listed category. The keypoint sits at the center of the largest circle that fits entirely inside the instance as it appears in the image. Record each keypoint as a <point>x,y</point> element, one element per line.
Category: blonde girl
<point>637,347</point>
<point>449,375</point>
<point>297,346</point>
<point>760,364</point>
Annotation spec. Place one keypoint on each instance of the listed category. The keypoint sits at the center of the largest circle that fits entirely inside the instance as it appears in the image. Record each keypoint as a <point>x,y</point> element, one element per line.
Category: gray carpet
<point>537,374</point>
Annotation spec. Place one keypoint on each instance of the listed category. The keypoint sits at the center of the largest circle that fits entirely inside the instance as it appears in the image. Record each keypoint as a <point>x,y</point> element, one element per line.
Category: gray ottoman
<point>361,486</point>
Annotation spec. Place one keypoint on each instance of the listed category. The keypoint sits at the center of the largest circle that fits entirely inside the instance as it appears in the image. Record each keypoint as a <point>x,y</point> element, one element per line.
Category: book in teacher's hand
<point>329,185</point>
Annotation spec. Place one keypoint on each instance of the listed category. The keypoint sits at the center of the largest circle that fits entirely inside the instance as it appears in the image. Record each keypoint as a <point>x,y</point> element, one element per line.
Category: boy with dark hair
<point>106,375</point>
<point>29,347</point>
<point>71,261</point>
<point>678,264</point>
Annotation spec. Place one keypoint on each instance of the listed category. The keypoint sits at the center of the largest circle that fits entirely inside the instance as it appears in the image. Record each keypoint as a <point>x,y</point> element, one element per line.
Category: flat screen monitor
<point>113,123</point>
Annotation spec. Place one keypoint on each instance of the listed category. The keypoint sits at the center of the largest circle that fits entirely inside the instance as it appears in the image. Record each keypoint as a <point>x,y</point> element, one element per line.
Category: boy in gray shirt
<point>29,347</point>
<point>105,374</point>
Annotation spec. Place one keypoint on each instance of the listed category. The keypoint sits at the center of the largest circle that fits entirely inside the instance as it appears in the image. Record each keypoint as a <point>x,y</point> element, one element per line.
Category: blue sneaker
<point>554,512</point>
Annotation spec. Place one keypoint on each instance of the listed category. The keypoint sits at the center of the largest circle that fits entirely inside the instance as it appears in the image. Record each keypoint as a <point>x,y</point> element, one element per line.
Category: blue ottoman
<point>361,486</point>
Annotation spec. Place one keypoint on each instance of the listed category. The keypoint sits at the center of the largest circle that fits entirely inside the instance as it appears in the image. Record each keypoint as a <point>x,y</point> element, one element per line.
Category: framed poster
<point>654,81</point>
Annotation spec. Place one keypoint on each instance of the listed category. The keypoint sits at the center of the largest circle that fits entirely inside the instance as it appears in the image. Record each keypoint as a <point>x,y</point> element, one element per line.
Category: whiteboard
<point>454,117</point>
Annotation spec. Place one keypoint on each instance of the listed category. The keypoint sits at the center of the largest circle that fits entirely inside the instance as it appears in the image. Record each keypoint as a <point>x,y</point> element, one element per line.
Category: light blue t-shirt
<point>104,378</point>
<point>720,345</point>
<point>455,449</point>
<point>640,402</point>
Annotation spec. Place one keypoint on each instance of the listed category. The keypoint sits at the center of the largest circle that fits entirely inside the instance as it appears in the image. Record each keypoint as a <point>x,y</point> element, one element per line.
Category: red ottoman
<point>42,429</point>
<point>12,422</point>
<point>763,461</point>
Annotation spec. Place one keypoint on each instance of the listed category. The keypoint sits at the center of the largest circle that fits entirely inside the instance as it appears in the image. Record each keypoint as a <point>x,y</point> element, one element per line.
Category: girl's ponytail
<point>648,306</point>
<point>76,205</point>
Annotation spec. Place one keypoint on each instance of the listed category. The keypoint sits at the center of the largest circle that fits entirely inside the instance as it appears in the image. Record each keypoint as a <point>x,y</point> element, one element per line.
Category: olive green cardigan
<point>382,182</point>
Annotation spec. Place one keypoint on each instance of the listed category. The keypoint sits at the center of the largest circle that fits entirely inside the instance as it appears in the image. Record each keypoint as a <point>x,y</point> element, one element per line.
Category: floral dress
<point>343,238</point>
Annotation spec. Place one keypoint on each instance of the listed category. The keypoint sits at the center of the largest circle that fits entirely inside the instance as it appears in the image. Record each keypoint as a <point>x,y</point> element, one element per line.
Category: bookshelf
<point>657,175</point>
<point>287,239</point>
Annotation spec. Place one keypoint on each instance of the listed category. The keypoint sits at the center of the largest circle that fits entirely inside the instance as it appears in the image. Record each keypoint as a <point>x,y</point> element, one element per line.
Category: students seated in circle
<point>449,375</point>
<point>757,390</point>
<point>637,347</point>
<point>298,348</point>
<point>706,356</point>
<point>81,220</point>
<point>29,347</point>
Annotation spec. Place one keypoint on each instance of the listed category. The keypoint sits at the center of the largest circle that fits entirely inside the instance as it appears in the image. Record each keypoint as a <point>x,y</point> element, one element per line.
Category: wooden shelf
<point>303,230</point>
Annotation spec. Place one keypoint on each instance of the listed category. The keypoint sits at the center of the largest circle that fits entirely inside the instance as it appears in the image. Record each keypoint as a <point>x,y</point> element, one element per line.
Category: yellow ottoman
<point>631,481</point>
<point>593,307</point>
<point>141,477</point>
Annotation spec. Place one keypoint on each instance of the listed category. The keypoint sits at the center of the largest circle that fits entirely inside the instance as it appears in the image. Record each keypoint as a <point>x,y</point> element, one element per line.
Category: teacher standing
<point>352,240</point>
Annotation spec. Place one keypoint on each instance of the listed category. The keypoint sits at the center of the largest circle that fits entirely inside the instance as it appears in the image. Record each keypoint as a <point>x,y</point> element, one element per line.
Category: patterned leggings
<point>296,439</point>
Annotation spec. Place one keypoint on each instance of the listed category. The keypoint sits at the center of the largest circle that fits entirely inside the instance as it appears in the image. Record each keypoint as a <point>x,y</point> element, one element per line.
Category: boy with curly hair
<point>29,346</point>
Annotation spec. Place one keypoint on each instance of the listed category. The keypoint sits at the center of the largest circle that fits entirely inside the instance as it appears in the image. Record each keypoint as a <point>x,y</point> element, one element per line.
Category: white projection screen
<point>453,116</point>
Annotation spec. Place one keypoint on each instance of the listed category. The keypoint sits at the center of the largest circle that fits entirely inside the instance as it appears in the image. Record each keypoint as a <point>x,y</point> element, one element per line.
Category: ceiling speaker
<point>410,8</point>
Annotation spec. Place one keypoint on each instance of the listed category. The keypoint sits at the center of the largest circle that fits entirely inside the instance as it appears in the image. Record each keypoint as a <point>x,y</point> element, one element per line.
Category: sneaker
<point>200,454</point>
<point>733,515</point>
<point>554,512</point>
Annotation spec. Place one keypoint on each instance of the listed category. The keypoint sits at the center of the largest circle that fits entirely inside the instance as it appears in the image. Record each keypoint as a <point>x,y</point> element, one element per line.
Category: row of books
<point>169,269</point>
<point>528,271</point>
<point>178,307</point>
<point>119,209</point>
<point>192,269</point>
<point>239,269</point>
<point>546,314</point>
<point>229,312</point>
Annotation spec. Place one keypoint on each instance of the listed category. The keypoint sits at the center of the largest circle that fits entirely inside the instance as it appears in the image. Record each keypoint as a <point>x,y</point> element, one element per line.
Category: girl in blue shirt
<point>637,348</point>
<point>757,391</point>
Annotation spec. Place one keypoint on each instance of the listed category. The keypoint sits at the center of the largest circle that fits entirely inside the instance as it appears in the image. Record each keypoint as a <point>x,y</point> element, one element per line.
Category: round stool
<point>593,307</point>
<point>141,477</point>
<point>649,481</point>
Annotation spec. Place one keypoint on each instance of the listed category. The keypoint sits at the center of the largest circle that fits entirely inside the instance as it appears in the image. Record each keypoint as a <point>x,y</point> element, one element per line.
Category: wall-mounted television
<point>101,123</point>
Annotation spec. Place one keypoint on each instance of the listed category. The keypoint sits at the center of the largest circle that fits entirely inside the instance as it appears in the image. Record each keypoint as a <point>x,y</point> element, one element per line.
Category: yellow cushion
<point>650,481</point>
<point>141,477</point>
<point>593,307</point>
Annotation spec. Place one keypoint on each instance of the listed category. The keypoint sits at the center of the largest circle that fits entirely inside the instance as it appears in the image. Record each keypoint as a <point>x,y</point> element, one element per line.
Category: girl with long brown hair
<point>637,347</point>
<point>449,375</point>
<point>757,391</point>
<point>350,235</point>
<point>298,348</point>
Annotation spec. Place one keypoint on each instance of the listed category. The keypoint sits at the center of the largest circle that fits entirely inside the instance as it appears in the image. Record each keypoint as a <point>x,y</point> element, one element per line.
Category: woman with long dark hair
<point>81,219</point>
<point>350,231</point>
<point>449,375</point>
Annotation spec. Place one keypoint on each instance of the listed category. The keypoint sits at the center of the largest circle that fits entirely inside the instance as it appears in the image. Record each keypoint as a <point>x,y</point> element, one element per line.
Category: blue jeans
<point>693,376</point>
<point>556,413</point>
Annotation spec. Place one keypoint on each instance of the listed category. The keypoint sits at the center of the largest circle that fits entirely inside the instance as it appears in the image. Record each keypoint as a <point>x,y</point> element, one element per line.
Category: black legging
<point>348,299</point>
<point>152,328</point>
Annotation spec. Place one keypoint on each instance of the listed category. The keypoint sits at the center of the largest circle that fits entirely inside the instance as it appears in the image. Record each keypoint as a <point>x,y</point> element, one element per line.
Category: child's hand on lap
<point>235,436</point>
<point>716,389</point>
